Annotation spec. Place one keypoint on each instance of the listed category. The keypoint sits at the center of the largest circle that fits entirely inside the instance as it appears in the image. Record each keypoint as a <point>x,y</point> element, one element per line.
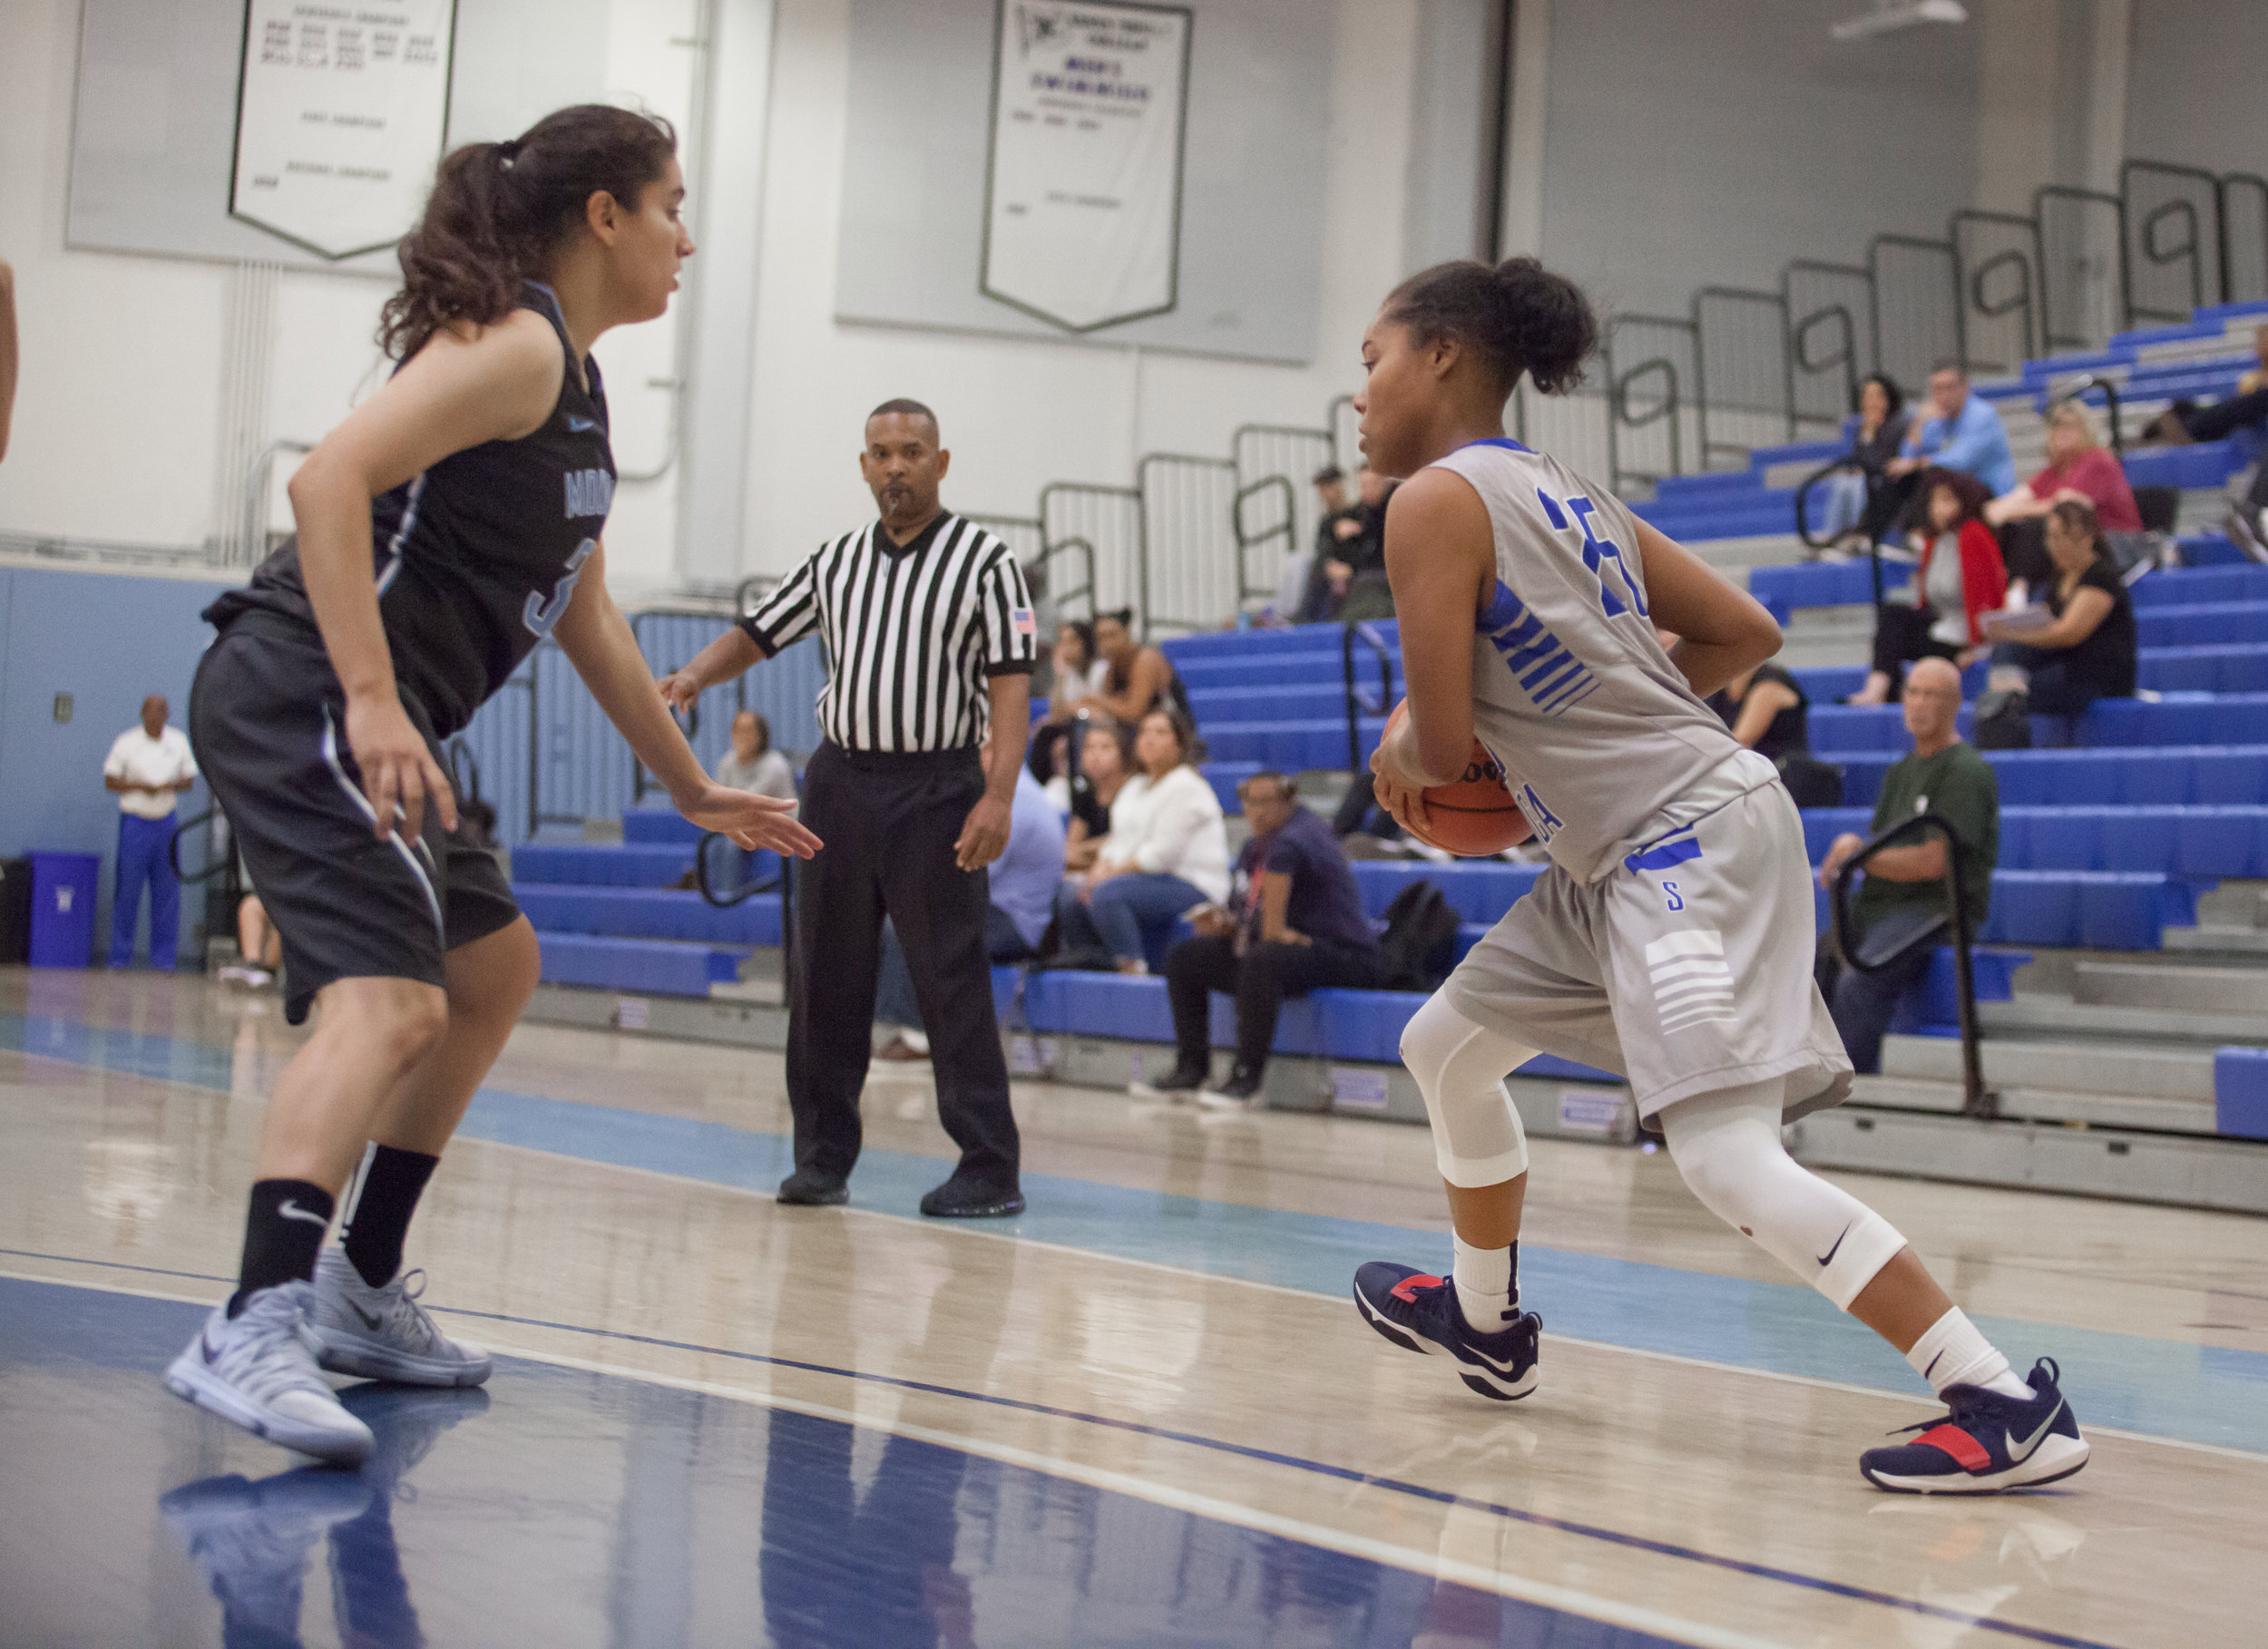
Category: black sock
<point>283,1232</point>
<point>380,1220</point>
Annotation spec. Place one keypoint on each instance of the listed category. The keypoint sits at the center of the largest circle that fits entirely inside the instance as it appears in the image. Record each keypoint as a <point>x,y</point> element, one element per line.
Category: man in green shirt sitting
<point>1945,777</point>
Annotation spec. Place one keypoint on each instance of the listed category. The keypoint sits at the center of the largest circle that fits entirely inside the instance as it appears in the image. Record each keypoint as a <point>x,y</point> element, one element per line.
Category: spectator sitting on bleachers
<point>1861,504</point>
<point>1167,853</point>
<point>1079,673</point>
<point>1943,775</point>
<point>1767,711</point>
<point>1105,759</point>
<point>1963,432</point>
<point>2078,466</point>
<point>1290,605</point>
<point>1349,579</point>
<point>1136,679</point>
<point>1022,883</point>
<point>1957,579</point>
<point>2078,643</point>
<point>1292,924</point>
<point>752,764</point>
<point>2186,422</point>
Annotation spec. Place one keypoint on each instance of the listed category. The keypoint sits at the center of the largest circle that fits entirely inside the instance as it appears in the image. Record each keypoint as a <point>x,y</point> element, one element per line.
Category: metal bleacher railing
<point>1907,930</point>
<point>1746,369</point>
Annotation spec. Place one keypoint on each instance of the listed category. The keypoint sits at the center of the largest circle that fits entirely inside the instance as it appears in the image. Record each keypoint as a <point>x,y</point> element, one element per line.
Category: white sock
<point>918,1041</point>
<point>1487,1291</point>
<point>1952,1352</point>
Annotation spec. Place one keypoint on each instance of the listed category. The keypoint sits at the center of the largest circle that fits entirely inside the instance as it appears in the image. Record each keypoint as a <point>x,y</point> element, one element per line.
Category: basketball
<point>1474,816</point>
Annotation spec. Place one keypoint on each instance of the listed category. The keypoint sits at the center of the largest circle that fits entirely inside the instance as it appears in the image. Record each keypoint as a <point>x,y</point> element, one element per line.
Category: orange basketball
<point>1476,815</point>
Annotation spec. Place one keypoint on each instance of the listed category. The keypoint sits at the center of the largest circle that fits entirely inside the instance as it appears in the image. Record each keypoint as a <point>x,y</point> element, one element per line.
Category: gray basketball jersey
<point>1572,692</point>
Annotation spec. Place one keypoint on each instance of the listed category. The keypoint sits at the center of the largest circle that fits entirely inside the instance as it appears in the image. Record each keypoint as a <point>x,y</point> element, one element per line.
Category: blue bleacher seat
<point>2239,1092</point>
<point>602,864</point>
<point>650,966</point>
<point>648,913</point>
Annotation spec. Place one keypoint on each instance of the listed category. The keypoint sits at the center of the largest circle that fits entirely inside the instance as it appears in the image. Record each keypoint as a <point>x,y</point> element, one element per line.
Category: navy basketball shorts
<point>266,719</point>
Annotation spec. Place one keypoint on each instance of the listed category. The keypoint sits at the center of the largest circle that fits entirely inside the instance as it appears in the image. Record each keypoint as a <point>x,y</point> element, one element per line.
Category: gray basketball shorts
<point>1686,969</point>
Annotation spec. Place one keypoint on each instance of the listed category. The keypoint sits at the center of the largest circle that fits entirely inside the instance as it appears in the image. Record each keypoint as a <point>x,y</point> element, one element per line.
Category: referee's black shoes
<point>805,1189</point>
<point>962,1199</point>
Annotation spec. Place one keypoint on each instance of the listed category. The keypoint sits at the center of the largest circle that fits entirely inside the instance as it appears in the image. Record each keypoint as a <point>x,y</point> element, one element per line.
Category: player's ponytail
<point>1518,317</point>
<point>499,210</point>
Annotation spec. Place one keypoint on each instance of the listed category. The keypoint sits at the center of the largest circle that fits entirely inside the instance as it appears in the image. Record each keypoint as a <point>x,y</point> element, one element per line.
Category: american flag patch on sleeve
<point>1021,620</point>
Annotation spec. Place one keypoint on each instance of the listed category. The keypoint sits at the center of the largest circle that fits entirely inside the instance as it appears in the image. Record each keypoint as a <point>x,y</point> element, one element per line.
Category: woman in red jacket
<point>1957,579</point>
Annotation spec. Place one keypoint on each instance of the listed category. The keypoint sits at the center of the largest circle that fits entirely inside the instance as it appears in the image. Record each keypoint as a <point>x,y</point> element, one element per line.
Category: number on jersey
<point>1597,552</point>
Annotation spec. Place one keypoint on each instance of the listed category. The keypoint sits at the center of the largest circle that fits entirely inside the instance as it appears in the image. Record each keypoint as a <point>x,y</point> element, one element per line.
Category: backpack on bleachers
<point>1419,946</point>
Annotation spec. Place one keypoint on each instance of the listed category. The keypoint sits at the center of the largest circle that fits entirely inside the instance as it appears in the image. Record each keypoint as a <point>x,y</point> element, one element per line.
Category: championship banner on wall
<point>340,116</point>
<point>1083,190</point>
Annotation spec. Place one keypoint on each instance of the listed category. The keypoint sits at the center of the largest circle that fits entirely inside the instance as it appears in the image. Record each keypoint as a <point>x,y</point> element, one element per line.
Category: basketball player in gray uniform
<point>1671,939</point>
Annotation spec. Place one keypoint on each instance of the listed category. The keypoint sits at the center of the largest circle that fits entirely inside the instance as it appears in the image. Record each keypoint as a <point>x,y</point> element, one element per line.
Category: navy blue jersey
<point>476,558</point>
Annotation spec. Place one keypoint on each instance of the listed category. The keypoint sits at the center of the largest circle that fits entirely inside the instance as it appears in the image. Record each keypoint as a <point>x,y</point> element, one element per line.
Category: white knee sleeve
<point>1461,1069</point>
<point>1727,1146</point>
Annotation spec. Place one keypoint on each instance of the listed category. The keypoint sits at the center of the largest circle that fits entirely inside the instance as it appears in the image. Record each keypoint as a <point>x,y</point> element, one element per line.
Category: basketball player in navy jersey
<point>1671,939</point>
<point>450,524</point>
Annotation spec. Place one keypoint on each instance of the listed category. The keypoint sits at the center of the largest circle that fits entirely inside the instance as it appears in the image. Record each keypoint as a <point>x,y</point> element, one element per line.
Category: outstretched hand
<point>751,821</point>
<point>680,690</point>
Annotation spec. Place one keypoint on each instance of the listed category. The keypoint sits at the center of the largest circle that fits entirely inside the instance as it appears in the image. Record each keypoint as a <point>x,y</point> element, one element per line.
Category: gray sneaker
<point>383,1333</point>
<point>257,1370</point>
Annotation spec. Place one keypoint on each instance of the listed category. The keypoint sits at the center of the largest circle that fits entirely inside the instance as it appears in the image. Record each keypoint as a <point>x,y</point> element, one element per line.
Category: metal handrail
<point>783,879</point>
<point>1067,546</point>
<point>1977,1099</point>
<point>1365,632</point>
<point>252,520</point>
<point>227,862</point>
<point>2110,395</point>
<point>1246,542</point>
<point>1803,498</point>
<point>2049,336</point>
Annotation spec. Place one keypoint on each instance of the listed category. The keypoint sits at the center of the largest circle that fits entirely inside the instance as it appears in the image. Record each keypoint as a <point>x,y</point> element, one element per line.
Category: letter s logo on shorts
<point>540,615</point>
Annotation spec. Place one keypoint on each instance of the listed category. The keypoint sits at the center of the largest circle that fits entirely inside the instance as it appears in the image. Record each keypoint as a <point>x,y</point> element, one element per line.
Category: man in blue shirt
<point>1964,432</point>
<point>1295,923</point>
<point>1023,881</point>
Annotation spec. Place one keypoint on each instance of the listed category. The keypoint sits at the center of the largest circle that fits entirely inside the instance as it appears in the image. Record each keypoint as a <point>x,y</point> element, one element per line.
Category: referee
<point>929,636</point>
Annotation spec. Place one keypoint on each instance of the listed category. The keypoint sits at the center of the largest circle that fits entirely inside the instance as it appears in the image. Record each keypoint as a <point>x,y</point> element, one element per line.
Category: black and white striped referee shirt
<point>913,634</point>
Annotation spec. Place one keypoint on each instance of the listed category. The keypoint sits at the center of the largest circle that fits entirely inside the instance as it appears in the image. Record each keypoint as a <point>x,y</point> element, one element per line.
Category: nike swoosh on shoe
<point>2017,1456</point>
<point>368,1321</point>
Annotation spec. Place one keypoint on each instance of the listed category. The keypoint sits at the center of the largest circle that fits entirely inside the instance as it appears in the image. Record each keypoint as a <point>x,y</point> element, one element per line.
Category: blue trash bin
<point>63,909</point>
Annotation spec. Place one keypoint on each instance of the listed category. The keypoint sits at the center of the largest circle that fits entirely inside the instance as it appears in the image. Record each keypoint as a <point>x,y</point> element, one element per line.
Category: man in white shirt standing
<point>147,769</point>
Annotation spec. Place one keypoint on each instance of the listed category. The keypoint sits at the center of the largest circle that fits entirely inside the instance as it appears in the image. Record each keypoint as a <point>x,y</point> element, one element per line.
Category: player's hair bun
<point>1517,317</point>
<point>1551,327</point>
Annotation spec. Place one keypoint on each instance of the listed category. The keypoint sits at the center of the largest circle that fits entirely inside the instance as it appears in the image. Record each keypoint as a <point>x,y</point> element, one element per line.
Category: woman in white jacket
<point>1167,850</point>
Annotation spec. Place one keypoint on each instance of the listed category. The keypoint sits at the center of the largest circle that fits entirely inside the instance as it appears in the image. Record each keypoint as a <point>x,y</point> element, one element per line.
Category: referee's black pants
<point>889,824</point>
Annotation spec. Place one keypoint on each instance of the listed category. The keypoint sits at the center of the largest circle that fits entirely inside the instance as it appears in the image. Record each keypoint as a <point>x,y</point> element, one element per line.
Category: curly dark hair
<point>499,210</point>
<point>1518,316</point>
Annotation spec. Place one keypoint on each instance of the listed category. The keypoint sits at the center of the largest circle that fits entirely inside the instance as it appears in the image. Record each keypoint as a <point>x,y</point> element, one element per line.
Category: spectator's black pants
<point>1863,1004</point>
<point>889,824</point>
<point>1902,636</point>
<point>2225,417</point>
<point>1887,497</point>
<point>1259,979</point>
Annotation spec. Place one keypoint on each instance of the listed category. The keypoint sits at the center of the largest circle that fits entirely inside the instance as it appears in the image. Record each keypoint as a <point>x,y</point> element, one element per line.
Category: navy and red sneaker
<point>1418,1314</point>
<point>1986,1444</point>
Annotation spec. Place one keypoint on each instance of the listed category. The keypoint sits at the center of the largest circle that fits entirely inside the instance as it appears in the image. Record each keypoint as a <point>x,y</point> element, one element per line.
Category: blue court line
<point>2194,1393</point>
<point>1344,1474</point>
